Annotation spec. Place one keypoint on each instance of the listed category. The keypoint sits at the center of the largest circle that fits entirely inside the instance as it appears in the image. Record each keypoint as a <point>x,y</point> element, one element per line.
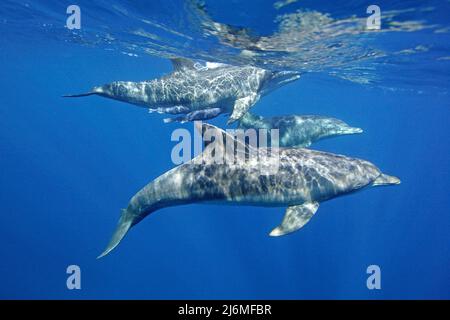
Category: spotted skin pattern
<point>304,179</point>
<point>303,175</point>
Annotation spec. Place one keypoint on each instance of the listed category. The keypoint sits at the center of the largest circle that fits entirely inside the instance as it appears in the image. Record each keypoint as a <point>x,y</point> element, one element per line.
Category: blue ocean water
<point>69,166</point>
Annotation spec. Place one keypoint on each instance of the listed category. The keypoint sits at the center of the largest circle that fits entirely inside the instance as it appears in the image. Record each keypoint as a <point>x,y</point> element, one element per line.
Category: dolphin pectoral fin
<point>124,224</point>
<point>295,218</point>
<point>242,105</point>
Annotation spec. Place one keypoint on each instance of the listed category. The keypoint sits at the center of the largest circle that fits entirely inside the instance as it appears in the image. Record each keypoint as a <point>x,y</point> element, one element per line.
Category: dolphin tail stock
<point>126,221</point>
<point>385,180</point>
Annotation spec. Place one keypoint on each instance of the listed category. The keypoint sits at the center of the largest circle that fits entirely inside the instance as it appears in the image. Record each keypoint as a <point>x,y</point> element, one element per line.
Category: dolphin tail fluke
<point>125,223</point>
<point>385,180</point>
<point>79,95</point>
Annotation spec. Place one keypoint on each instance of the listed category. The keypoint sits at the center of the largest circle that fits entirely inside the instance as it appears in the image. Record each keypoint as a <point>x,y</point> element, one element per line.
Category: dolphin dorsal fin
<point>208,131</point>
<point>182,64</point>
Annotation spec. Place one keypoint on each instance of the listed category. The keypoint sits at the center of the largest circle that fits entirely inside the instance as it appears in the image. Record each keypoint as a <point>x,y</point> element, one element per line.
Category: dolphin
<point>299,131</point>
<point>195,91</point>
<point>304,179</point>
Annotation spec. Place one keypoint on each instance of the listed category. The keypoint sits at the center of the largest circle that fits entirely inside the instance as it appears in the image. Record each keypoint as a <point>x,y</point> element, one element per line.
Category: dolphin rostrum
<point>199,92</point>
<point>304,179</point>
<point>299,131</point>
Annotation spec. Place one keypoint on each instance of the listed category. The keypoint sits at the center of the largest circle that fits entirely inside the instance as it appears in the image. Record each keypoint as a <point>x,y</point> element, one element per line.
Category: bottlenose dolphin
<point>303,180</point>
<point>299,131</point>
<point>198,92</point>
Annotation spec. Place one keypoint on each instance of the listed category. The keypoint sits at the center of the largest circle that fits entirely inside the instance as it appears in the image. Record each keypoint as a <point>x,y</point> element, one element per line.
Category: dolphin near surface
<point>299,131</point>
<point>198,92</point>
<point>304,179</point>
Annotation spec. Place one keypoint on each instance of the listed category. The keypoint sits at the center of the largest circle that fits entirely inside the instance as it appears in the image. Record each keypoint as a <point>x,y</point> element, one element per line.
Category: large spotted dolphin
<point>299,131</point>
<point>304,179</point>
<point>195,91</point>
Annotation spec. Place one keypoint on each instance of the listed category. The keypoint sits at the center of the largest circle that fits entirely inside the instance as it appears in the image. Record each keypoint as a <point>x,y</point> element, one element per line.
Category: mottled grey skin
<point>299,131</point>
<point>304,177</point>
<point>199,92</point>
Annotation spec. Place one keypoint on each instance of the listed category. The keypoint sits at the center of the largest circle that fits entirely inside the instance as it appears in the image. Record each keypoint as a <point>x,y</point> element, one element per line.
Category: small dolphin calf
<point>299,131</point>
<point>199,92</point>
<point>304,179</point>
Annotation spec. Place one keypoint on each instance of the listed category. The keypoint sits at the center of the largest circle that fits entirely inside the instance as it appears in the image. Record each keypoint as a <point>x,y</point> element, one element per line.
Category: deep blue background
<point>67,167</point>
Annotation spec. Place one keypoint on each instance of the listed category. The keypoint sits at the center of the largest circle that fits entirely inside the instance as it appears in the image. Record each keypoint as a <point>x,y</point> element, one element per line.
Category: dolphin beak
<point>385,180</point>
<point>97,90</point>
<point>284,77</point>
<point>276,232</point>
<point>352,130</point>
<point>395,180</point>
